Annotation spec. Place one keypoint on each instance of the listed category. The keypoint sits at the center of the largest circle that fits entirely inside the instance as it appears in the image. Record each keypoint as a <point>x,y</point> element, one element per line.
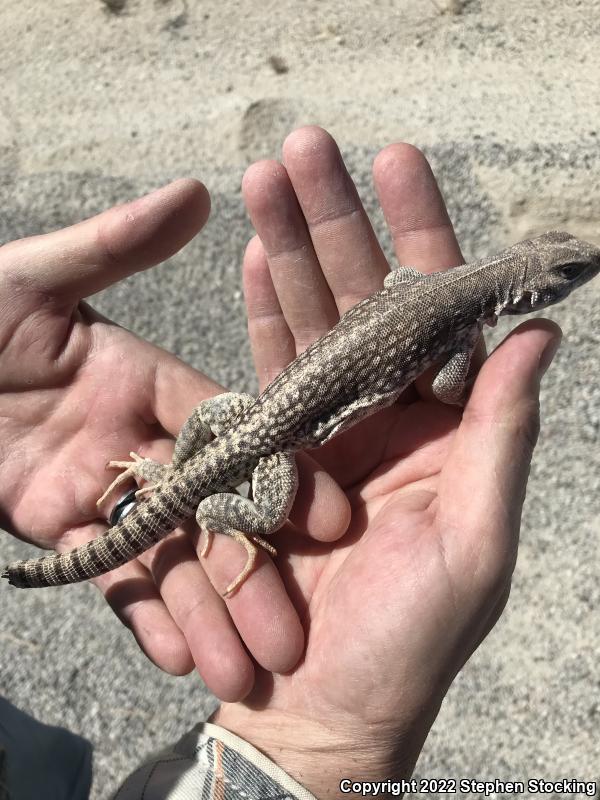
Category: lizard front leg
<point>274,484</point>
<point>450,384</point>
<point>210,418</point>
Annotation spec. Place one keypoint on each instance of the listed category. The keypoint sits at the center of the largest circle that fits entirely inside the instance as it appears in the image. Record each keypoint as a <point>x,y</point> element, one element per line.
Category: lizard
<point>375,351</point>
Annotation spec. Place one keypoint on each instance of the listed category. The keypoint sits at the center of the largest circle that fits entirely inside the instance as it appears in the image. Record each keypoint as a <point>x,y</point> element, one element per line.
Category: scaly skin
<point>361,365</point>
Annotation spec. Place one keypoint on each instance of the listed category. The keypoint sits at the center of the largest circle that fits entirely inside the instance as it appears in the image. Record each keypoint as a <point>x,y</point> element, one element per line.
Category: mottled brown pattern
<point>375,351</point>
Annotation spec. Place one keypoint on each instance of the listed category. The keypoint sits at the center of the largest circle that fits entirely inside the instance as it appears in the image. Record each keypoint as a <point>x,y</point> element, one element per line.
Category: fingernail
<point>548,354</point>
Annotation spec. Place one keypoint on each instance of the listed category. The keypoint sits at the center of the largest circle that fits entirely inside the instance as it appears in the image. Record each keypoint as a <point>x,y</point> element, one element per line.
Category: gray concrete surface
<point>97,107</point>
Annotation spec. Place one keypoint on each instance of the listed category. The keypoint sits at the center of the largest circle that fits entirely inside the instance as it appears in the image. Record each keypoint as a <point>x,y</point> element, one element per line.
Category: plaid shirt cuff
<point>212,764</point>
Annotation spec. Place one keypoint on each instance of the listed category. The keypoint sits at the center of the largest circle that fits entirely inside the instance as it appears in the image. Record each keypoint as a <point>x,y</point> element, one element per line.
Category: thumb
<point>82,259</point>
<point>483,483</point>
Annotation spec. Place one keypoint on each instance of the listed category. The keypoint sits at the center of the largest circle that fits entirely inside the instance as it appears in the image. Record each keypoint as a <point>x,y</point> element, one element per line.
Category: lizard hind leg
<point>274,484</point>
<point>210,418</point>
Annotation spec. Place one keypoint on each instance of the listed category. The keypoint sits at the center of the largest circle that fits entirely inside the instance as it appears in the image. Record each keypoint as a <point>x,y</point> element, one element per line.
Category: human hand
<point>393,610</point>
<point>77,391</point>
<point>75,388</point>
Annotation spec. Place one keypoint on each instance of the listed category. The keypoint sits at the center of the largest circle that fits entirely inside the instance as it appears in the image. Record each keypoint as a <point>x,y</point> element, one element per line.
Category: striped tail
<point>146,525</point>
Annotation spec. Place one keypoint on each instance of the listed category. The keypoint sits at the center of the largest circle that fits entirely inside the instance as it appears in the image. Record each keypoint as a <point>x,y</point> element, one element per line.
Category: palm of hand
<point>77,391</point>
<point>67,417</point>
<point>394,610</point>
<point>384,597</point>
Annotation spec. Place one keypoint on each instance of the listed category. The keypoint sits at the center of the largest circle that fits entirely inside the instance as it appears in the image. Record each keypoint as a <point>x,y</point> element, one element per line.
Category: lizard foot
<point>207,541</point>
<point>146,490</point>
<point>131,469</point>
<point>249,543</point>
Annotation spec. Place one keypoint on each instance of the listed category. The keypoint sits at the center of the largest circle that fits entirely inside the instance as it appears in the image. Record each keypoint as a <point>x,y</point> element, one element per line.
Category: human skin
<point>393,610</point>
<point>76,391</point>
<point>382,619</point>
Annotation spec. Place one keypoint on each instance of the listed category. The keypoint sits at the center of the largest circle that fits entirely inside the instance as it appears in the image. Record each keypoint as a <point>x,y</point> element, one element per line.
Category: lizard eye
<point>570,271</point>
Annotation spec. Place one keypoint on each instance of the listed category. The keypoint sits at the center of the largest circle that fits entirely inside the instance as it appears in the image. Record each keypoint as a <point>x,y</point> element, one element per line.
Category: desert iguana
<point>361,365</point>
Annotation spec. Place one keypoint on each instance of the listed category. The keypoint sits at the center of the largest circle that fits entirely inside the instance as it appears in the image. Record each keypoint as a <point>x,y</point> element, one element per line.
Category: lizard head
<point>553,264</point>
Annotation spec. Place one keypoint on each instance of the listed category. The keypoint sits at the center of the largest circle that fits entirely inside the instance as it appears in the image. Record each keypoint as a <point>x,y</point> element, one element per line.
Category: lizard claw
<point>250,547</point>
<point>130,471</point>
<point>207,541</point>
<point>145,490</point>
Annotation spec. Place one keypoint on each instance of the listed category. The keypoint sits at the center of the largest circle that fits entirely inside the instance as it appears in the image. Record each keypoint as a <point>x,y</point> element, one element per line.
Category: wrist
<point>320,754</point>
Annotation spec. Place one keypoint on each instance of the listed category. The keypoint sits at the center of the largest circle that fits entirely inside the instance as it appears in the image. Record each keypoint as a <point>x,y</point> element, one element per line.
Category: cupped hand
<point>77,391</point>
<point>393,610</point>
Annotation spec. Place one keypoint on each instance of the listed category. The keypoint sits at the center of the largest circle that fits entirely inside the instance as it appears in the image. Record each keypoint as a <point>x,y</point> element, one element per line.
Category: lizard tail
<point>137,532</point>
<point>55,570</point>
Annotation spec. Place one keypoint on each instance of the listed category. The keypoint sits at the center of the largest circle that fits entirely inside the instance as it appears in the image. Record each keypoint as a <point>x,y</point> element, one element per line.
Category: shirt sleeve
<point>210,763</point>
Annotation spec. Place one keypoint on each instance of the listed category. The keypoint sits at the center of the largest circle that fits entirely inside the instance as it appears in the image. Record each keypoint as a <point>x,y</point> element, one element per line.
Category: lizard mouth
<point>521,306</point>
<point>530,301</point>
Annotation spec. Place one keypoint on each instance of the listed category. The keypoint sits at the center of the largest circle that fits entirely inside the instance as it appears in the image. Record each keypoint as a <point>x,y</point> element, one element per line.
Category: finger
<point>323,509</point>
<point>301,288</point>
<point>414,209</point>
<point>419,224</point>
<point>342,236</point>
<point>202,616</point>
<point>177,390</point>
<point>483,483</point>
<point>194,607</point>
<point>83,259</point>
<point>132,594</point>
<point>271,341</point>
<point>260,608</point>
